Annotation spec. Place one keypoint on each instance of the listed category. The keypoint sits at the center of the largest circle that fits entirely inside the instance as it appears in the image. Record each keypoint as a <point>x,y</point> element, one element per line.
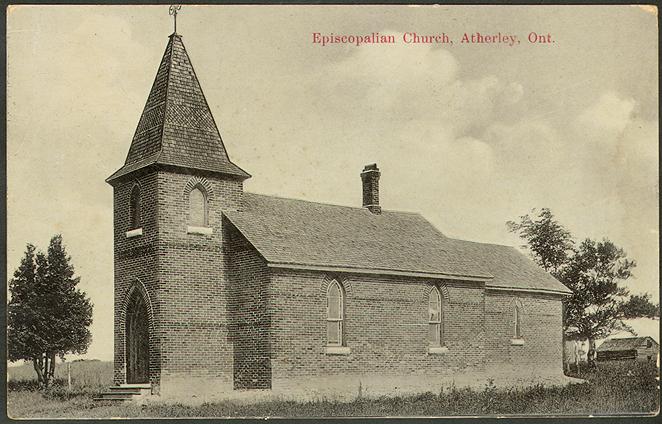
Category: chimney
<point>370,178</point>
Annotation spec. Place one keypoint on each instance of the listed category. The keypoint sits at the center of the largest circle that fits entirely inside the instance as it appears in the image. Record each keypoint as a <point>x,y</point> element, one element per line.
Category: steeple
<point>177,128</point>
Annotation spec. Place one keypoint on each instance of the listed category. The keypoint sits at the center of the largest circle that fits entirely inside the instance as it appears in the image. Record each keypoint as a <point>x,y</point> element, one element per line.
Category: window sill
<point>437,350</point>
<point>517,342</point>
<point>198,230</point>
<point>134,233</point>
<point>337,350</point>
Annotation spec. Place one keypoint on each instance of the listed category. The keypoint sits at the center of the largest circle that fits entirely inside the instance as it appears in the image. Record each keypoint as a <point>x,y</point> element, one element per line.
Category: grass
<point>85,374</point>
<point>615,388</point>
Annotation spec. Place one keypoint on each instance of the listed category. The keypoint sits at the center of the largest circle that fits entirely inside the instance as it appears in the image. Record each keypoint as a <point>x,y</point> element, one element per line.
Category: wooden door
<point>137,341</point>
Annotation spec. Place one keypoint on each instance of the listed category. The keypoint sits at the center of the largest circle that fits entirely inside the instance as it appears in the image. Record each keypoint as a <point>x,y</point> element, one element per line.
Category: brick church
<point>217,289</point>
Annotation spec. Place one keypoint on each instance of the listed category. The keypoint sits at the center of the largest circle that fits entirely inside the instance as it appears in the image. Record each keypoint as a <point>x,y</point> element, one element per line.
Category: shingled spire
<point>177,127</point>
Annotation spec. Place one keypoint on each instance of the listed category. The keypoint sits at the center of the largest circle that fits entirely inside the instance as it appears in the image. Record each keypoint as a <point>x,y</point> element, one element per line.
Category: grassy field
<point>84,374</point>
<point>615,388</point>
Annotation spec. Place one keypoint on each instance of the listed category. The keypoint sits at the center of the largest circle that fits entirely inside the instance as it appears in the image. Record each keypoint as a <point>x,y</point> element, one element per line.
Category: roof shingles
<point>177,127</point>
<point>297,232</point>
<point>626,343</point>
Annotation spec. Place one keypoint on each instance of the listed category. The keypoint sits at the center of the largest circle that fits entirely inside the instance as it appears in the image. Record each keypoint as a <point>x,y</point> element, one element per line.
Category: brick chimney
<point>370,178</point>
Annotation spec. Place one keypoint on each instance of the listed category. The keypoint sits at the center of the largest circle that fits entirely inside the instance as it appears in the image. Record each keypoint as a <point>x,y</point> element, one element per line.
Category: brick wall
<point>385,327</point>
<point>182,275</point>
<point>193,289</point>
<point>136,268</point>
<point>542,348</point>
<point>221,319</point>
<point>248,299</point>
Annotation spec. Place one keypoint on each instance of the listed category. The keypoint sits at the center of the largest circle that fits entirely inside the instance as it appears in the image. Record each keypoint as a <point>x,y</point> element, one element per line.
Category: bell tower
<point>170,288</point>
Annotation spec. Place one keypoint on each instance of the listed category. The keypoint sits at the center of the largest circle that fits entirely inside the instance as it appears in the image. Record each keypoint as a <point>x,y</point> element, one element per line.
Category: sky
<point>469,135</point>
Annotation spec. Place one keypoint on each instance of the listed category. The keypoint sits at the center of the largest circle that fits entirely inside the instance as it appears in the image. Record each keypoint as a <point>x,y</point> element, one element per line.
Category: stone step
<point>109,396</point>
<point>117,395</point>
<point>135,385</point>
<point>125,392</point>
<point>119,389</point>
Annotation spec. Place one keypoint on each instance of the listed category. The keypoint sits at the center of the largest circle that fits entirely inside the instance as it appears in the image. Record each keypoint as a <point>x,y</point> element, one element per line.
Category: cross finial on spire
<point>174,9</point>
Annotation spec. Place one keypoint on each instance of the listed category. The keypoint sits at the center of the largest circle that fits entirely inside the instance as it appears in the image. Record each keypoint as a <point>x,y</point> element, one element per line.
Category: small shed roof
<point>627,343</point>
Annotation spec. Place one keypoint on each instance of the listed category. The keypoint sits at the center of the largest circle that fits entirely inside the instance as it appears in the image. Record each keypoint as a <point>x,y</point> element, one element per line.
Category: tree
<point>641,306</point>
<point>547,240</point>
<point>594,271</point>
<point>48,315</point>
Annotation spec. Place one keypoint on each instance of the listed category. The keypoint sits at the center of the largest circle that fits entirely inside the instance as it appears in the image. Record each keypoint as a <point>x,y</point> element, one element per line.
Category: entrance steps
<point>125,392</point>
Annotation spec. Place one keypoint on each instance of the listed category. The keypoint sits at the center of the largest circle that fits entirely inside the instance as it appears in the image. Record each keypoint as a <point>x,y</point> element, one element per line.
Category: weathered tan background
<point>470,136</point>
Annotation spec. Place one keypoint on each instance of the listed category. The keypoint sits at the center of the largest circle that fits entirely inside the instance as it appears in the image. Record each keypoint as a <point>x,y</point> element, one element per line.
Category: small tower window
<point>198,208</point>
<point>434,318</point>
<point>134,209</point>
<point>334,314</point>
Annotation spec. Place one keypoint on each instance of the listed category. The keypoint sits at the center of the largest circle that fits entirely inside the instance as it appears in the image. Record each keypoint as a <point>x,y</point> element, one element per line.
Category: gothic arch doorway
<point>137,340</point>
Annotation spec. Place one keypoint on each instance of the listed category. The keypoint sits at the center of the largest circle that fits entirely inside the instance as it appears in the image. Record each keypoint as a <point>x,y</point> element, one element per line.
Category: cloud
<point>401,105</point>
<point>598,173</point>
<point>609,115</point>
<point>468,138</point>
<point>402,83</point>
<point>618,146</point>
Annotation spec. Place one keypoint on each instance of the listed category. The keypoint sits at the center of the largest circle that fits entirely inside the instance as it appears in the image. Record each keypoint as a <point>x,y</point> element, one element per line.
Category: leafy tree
<point>48,315</point>
<point>641,306</point>
<point>593,271</point>
<point>595,274</point>
<point>547,240</point>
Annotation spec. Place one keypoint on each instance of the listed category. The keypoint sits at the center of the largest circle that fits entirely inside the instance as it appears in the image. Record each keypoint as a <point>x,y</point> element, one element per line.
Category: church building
<point>219,290</point>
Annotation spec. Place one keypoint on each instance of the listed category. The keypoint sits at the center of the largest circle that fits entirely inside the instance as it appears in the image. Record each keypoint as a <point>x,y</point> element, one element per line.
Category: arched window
<point>197,206</point>
<point>334,314</point>
<point>134,208</point>
<point>434,318</point>
<point>518,319</point>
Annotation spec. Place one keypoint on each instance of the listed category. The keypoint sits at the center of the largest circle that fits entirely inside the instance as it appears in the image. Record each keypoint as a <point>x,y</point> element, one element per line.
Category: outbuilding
<point>632,348</point>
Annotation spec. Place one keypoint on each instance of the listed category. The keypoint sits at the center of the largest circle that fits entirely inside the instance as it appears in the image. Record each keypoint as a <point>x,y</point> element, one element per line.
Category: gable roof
<point>510,267</point>
<point>300,234</point>
<point>176,127</point>
<point>626,343</point>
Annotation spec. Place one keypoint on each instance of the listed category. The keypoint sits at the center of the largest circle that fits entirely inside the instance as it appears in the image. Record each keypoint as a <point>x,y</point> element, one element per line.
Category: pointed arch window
<point>135,208</point>
<point>518,319</point>
<point>197,202</point>
<point>334,314</point>
<point>435,333</point>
